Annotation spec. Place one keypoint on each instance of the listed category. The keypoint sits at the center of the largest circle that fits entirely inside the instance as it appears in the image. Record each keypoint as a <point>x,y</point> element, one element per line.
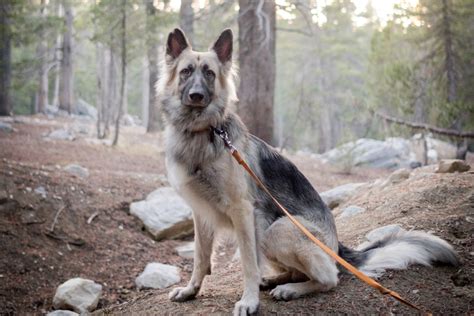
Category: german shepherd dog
<point>196,93</point>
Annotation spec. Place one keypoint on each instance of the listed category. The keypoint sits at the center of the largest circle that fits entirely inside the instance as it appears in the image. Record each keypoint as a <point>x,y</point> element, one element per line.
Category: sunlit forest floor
<point>95,237</point>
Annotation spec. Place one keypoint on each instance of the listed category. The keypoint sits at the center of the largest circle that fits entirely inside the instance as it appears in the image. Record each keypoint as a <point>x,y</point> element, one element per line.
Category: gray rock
<point>62,313</point>
<point>351,210</point>
<point>41,191</point>
<point>6,127</point>
<point>452,165</point>
<point>51,110</point>
<point>128,120</point>
<point>164,214</point>
<point>397,176</point>
<point>158,276</point>
<point>340,194</point>
<point>85,109</point>
<point>61,134</point>
<point>186,250</point>
<point>78,294</point>
<point>383,231</point>
<point>77,170</point>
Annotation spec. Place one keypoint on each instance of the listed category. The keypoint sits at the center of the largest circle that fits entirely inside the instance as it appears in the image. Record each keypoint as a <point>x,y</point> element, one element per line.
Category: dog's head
<point>196,87</point>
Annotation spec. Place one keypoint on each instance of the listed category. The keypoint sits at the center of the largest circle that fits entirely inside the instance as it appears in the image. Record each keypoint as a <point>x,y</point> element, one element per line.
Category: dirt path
<point>113,249</point>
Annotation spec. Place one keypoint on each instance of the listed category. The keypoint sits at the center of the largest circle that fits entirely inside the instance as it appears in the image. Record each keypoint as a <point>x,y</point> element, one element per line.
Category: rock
<point>6,127</point>
<point>158,276</point>
<point>61,134</point>
<point>30,217</point>
<point>62,313</point>
<point>186,250</point>
<point>351,210</point>
<point>85,109</point>
<point>51,110</point>
<point>383,231</point>
<point>41,191</point>
<point>77,170</point>
<point>452,165</point>
<point>164,214</point>
<point>78,294</point>
<point>340,194</point>
<point>396,177</point>
<point>128,120</point>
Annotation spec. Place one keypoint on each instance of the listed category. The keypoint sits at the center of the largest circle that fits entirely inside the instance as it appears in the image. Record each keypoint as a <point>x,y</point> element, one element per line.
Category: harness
<point>222,133</point>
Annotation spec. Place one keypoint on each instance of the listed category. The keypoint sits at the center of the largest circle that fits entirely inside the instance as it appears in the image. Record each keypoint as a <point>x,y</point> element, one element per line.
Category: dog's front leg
<point>244,226</point>
<point>203,238</point>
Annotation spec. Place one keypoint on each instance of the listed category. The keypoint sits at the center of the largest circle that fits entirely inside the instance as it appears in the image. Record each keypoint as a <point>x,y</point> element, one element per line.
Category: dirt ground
<point>39,253</point>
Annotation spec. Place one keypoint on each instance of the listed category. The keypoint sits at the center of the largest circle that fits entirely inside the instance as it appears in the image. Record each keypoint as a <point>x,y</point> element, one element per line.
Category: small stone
<point>415,291</point>
<point>77,170</point>
<point>383,231</point>
<point>62,313</point>
<point>5,127</point>
<point>78,294</point>
<point>186,250</point>
<point>41,191</point>
<point>61,134</point>
<point>158,276</point>
<point>461,278</point>
<point>452,165</point>
<point>351,210</point>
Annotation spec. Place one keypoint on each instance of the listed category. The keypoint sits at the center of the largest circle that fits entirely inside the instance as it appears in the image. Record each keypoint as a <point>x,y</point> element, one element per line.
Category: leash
<point>371,282</point>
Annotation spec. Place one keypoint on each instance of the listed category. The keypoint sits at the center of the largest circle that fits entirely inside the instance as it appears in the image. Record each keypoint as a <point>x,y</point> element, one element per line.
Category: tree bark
<point>42,94</point>
<point>5,58</point>
<point>154,117</point>
<point>257,66</point>
<point>123,42</point>
<point>449,63</point>
<point>66,77</point>
<point>186,19</point>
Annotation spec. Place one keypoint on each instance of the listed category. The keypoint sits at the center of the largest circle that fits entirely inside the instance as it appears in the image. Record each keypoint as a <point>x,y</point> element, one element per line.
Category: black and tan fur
<point>197,91</point>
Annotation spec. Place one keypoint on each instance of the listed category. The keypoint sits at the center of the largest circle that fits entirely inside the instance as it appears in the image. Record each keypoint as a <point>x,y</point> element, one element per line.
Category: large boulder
<point>340,194</point>
<point>80,295</point>
<point>452,165</point>
<point>77,170</point>
<point>6,127</point>
<point>164,214</point>
<point>392,153</point>
<point>158,276</point>
<point>85,109</point>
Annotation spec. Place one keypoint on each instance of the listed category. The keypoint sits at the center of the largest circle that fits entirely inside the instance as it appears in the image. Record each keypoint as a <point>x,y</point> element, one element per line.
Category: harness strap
<point>371,282</point>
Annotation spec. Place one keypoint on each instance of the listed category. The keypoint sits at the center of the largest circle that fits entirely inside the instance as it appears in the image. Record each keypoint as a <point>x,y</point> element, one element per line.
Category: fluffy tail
<point>399,250</point>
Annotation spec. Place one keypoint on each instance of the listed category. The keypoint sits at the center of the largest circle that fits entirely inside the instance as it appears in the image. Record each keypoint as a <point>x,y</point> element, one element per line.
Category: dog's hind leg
<point>293,276</point>
<point>285,245</point>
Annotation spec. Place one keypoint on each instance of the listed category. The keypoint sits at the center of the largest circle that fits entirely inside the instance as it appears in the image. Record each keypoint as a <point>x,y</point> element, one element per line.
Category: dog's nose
<point>196,97</point>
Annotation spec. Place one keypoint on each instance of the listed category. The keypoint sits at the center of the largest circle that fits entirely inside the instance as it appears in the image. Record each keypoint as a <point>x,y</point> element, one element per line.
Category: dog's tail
<point>399,250</point>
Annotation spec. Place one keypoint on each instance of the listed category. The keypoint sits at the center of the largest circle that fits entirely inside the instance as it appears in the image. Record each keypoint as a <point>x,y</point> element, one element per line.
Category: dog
<point>196,93</point>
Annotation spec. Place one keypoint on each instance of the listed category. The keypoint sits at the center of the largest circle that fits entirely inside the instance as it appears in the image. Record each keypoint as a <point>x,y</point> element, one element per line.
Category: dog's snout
<point>196,96</point>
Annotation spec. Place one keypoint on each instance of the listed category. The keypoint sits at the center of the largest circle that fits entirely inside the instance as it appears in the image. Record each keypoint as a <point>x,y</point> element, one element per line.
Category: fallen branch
<point>56,218</point>
<point>433,129</point>
<point>91,218</point>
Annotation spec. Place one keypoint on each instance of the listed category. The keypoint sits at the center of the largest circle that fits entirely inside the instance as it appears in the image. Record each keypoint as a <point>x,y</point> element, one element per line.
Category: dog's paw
<point>284,292</point>
<point>245,307</point>
<point>181,294</point>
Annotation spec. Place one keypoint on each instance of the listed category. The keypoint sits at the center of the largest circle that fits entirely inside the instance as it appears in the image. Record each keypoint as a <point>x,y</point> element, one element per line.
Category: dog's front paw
<point>181,294</point>
<point>246,307</point>
<point>284,292</point>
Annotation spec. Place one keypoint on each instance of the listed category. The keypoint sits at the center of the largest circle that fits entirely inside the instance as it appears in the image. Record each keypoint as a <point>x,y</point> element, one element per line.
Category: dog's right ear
<point>176,44</point>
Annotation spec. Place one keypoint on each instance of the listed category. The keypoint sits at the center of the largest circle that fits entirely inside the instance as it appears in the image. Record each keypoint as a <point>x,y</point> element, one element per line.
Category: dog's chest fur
<point>199,165</point>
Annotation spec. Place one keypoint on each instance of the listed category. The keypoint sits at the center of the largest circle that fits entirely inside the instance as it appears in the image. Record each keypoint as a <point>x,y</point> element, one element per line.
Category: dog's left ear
<point>223,46</point>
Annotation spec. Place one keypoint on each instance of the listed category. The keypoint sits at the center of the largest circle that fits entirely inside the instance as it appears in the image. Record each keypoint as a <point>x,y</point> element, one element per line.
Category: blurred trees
<point>332,63</point>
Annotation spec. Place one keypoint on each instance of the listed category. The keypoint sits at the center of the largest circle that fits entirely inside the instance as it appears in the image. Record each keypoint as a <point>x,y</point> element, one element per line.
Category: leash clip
<point>225,138</point>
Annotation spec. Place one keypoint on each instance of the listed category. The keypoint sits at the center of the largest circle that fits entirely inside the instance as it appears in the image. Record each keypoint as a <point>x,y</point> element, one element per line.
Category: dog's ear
<point>176,44</point>
<point>223,46</point>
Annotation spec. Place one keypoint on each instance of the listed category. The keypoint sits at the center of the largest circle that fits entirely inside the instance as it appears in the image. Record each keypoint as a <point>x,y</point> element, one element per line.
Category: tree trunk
<point>42,52</point>
<point>66,78</point>
<point>5,59</point>
<point>154,117</point>
<point>57,62</point>
<point>145,91</point>
<point>257,66</point>
<point>123,71</point>
<point>186,19</point>
<point>449,63</point>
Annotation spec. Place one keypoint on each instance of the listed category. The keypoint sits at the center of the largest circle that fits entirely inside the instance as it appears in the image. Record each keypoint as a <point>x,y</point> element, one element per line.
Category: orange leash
<point>326,249</point>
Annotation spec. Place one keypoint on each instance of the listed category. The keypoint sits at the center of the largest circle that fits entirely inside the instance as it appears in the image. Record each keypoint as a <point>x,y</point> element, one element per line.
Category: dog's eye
<point>185,72</point>
<point>210,73</point>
